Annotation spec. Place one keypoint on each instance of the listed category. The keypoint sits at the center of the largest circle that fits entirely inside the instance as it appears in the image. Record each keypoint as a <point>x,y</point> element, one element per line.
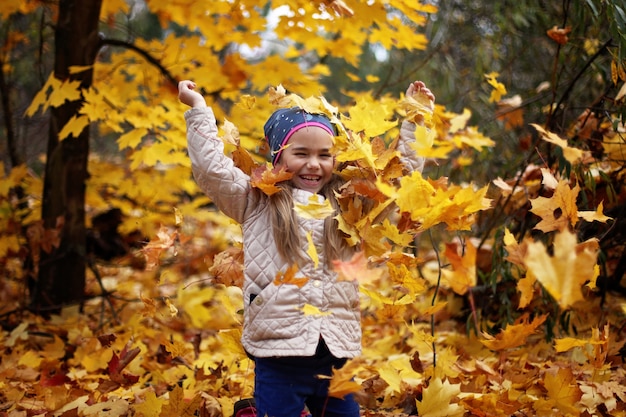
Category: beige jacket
<point>274,321</point>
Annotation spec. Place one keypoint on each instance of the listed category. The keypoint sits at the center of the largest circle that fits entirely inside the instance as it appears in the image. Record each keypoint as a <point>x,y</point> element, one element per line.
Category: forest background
<point>498,291</point>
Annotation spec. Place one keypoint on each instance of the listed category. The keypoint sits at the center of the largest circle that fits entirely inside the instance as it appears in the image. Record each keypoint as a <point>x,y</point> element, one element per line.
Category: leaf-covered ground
<point>163,345</point>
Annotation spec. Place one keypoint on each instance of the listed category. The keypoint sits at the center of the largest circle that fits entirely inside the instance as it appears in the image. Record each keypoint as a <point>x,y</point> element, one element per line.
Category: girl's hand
<point>187,94</point>
<point>421,93</point>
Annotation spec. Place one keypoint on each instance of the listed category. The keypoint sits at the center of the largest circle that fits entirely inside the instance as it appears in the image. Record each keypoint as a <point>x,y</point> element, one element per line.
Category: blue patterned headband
<point>285,122</point>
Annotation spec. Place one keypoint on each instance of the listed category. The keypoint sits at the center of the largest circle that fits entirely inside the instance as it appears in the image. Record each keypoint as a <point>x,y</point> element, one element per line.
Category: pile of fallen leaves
<point>165,348</point>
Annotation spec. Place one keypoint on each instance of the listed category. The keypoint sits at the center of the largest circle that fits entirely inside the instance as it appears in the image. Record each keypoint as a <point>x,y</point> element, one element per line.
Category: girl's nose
<point>313,162</point>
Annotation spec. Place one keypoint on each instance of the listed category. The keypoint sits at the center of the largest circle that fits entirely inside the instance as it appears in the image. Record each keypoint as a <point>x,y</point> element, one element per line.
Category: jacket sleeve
<point>215,173</point>
<point>409,158</point>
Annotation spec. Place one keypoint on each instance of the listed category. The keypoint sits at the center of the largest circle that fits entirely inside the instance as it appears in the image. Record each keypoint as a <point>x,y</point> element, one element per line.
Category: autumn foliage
<point>477,299</point>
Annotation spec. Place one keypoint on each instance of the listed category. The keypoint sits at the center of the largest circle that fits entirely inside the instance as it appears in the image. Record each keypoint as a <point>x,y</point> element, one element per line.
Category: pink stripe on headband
<point>295,129</point>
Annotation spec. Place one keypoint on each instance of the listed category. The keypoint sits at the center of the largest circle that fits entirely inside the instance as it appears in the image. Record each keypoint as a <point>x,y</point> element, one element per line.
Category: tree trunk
<point>61,277</point>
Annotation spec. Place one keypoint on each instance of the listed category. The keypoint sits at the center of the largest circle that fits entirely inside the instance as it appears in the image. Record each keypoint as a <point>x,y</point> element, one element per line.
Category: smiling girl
<point>290,348</point>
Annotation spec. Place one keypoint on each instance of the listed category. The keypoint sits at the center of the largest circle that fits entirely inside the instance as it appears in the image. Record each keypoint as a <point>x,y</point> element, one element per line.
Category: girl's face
<point>308,156</point>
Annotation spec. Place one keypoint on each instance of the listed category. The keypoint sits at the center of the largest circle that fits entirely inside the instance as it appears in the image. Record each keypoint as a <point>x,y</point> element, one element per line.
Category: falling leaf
<point>463,275</point>
<point>231,133</point>
<point>266,177</point>
<point>342,381</point>
<point>74,127</point>
<point>564,272</point>
<point>559,211</point>
<point>573,155</point>
<point>597,216</point>
<point>498,88</point>
<point>514,335</point>
<point>311,250</point>
<point>289,277</point>
<point>356,269</point>
<point>310,310</point>
<point>369,117</point>
<point>227,267</point>
<point>559,35</point>
<point>314,209</point>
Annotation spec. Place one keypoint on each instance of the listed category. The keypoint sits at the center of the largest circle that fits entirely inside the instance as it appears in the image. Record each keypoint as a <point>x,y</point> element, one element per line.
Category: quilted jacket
<point>274,322</point>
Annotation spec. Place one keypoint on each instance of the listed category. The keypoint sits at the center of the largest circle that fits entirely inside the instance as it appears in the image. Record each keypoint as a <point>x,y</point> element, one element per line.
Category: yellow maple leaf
<point>558,211</point>
<point>74,126</point>
<point>177,348</point>
<point>68,90</point>
<point>597,215</point>
<point>565,272</point>
<point>342,381</point>
<point>563,391</point>
<point>355,149</point>
<point>437,400</point>
<point>314,209</point>
<point>369,117</point>
<point>148,406</point>
<point>92,356</point>
<point>179,406</point>
<point>402,275</point>
<point>513,335</point>
<point>572,155</point>
<point>498,88</point>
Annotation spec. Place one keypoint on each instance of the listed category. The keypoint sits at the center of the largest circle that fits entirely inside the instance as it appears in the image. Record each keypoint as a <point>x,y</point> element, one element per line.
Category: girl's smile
<point>308,156</point>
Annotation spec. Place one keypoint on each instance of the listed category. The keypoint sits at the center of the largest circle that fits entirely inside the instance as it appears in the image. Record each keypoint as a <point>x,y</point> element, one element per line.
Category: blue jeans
<point>284,385</point>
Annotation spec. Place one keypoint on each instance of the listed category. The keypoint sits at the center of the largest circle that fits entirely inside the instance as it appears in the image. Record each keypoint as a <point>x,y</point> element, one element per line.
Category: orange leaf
<point>513,335</point>
<point>356,269</point>
<point>559,35</point>
<point>265,178</point>
<point>227,267</point>
<point>289,277</point>
<point>463,274</point>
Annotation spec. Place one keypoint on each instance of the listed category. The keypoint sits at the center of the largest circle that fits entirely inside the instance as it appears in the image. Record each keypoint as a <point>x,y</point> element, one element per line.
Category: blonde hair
<point>285,226</point>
